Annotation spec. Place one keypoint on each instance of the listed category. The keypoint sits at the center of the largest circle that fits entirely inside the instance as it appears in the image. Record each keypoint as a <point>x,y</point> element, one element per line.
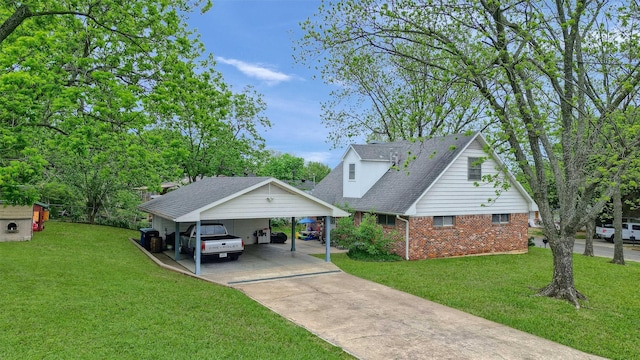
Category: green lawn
<point>85,292</point>
<point>502,287</point>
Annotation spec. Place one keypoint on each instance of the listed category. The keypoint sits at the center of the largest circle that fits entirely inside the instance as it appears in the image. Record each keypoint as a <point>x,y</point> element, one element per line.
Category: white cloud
<point>256,71</point>
<point>316,156</point>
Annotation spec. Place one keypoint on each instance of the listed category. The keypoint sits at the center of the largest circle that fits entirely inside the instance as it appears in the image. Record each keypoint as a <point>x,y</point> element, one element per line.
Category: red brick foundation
<point>471,235</point>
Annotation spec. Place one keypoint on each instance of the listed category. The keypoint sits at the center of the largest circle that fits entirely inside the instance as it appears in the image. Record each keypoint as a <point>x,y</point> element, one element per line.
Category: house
<point>440,202</point>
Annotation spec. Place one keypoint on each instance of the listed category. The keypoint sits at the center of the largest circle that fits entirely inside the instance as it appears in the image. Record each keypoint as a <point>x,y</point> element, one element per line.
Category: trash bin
<point>155,244</point>
<point>145,236</point>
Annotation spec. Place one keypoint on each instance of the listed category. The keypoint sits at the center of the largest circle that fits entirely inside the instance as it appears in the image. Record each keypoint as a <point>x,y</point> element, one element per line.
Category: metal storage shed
<point>219,198</point>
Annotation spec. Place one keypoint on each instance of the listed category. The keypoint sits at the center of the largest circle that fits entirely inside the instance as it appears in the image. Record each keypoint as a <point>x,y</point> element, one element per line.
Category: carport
<point>243,204</point>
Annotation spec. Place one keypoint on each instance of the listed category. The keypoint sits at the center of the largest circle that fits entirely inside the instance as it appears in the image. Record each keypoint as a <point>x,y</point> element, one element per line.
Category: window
<point>352,171</point>
<point>474,169</point>
<point>500,218</point>
<point>440,221</point>
<point>389,220</point>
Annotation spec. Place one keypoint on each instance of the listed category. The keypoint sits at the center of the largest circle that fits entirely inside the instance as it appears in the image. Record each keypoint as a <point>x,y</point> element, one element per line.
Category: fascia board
<point>350,148</point>
<point>336,211</point>
<point>195,214</point>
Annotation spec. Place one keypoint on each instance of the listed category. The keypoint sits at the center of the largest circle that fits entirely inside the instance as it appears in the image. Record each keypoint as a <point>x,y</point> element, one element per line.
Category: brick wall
<point>470,235</point>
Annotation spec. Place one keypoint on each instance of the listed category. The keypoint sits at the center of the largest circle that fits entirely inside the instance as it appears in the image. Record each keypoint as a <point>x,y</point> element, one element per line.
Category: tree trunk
<point>618,252</point>
<point>590,229</point>
<point>562,285</point>
<point>14,21</point>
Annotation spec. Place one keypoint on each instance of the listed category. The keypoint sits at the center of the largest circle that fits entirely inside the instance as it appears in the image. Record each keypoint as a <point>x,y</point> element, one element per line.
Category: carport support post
<point>197,250</point>
<point>327,239</point>
<point>176,245</point>
<point>293,234</point>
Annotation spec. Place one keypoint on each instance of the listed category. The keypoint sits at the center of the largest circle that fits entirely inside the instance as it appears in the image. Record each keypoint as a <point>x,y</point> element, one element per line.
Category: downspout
<point>406,236</point>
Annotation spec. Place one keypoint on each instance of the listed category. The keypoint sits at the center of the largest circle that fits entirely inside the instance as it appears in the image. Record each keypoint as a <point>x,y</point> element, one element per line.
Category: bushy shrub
<point>280,222</point>
<point>368,241</point>
<point>344,233</point>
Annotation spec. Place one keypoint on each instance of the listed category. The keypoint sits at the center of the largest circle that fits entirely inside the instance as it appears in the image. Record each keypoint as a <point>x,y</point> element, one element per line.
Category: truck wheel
<point>234,257</point>
<point>611,239</point>
<point>194,255</point>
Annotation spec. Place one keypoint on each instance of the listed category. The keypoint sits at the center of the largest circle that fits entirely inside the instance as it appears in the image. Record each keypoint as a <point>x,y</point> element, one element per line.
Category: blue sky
<point>252,41</point>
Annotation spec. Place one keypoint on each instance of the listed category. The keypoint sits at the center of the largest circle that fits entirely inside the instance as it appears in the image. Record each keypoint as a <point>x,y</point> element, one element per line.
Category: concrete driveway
<point>262,262</point>
<point>372,321</point>
<point>366,319</point>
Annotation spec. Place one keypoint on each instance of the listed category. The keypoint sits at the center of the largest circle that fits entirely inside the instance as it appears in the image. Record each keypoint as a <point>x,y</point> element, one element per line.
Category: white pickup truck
<point>630,232</point>
<point>215,242</point>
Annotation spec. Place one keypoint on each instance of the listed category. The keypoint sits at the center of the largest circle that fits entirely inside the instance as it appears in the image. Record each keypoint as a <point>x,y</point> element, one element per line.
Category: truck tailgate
<point>231,245</point>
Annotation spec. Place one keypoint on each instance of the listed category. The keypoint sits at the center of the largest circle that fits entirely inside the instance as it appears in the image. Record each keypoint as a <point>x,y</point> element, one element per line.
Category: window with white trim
<point>500,219</point>
<point>474,169</point>
<point>352,171</point>
<point>441,221</point>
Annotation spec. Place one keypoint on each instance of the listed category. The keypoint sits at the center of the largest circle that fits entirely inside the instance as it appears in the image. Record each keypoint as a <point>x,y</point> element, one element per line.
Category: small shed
<point>16,222</point>
<point>40,215</point>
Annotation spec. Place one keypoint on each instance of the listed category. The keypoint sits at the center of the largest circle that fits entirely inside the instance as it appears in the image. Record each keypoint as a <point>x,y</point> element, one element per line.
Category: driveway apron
<point>372,321</point>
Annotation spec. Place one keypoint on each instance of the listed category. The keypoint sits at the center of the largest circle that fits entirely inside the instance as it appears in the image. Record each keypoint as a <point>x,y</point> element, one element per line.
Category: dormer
<point>364,165</point>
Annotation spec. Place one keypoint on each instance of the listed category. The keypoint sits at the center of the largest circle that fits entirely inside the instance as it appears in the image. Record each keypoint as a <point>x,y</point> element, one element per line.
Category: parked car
<point>630,232</point>
<point>215,242</point>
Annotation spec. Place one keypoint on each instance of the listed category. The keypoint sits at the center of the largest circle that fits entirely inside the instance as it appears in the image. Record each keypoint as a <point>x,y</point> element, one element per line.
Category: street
<point>601,248</point>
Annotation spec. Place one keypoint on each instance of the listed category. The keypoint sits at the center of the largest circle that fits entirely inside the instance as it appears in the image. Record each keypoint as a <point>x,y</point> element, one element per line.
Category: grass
<point>85,292</point>
<point>501,288</point>
<point>538,233</point>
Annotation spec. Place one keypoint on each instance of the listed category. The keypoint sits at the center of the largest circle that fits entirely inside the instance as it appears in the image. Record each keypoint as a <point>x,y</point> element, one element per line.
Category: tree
<point>618,252</point>
<point>393,98</point>
<point>209,130</point>
<point>551,74</point>
<point>316,171</point>
<point>590,228</point>
<point>283,167</point>
<point>99,166</point>
<point>64,63</point>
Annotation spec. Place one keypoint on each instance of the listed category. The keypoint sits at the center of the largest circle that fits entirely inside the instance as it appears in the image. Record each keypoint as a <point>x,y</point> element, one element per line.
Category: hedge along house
<point>440,202</point>
<point>16,222</point>
<point>244,205</point>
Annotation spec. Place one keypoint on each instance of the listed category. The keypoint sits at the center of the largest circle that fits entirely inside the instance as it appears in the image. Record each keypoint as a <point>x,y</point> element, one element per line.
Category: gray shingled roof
<point>198,194</point>
<point>396,190</point>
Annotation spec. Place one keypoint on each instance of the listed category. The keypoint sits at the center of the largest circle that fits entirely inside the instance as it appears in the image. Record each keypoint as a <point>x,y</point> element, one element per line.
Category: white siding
<point>453,194</point>
<point>244,228</point>
<point>266,202</point>
<point>367,174</point>
<point>350,188</point>
<point>164,226</point>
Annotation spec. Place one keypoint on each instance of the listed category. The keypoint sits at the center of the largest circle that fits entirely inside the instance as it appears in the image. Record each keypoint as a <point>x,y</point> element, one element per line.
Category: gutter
<point>406,236</point>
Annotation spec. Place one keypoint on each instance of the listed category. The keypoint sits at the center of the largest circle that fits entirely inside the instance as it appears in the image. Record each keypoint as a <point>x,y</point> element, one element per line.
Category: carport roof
<point>206,193</point>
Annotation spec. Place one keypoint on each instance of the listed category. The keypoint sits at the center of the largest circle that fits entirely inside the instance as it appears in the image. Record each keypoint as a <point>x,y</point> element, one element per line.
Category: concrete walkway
<point>366,319</point>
